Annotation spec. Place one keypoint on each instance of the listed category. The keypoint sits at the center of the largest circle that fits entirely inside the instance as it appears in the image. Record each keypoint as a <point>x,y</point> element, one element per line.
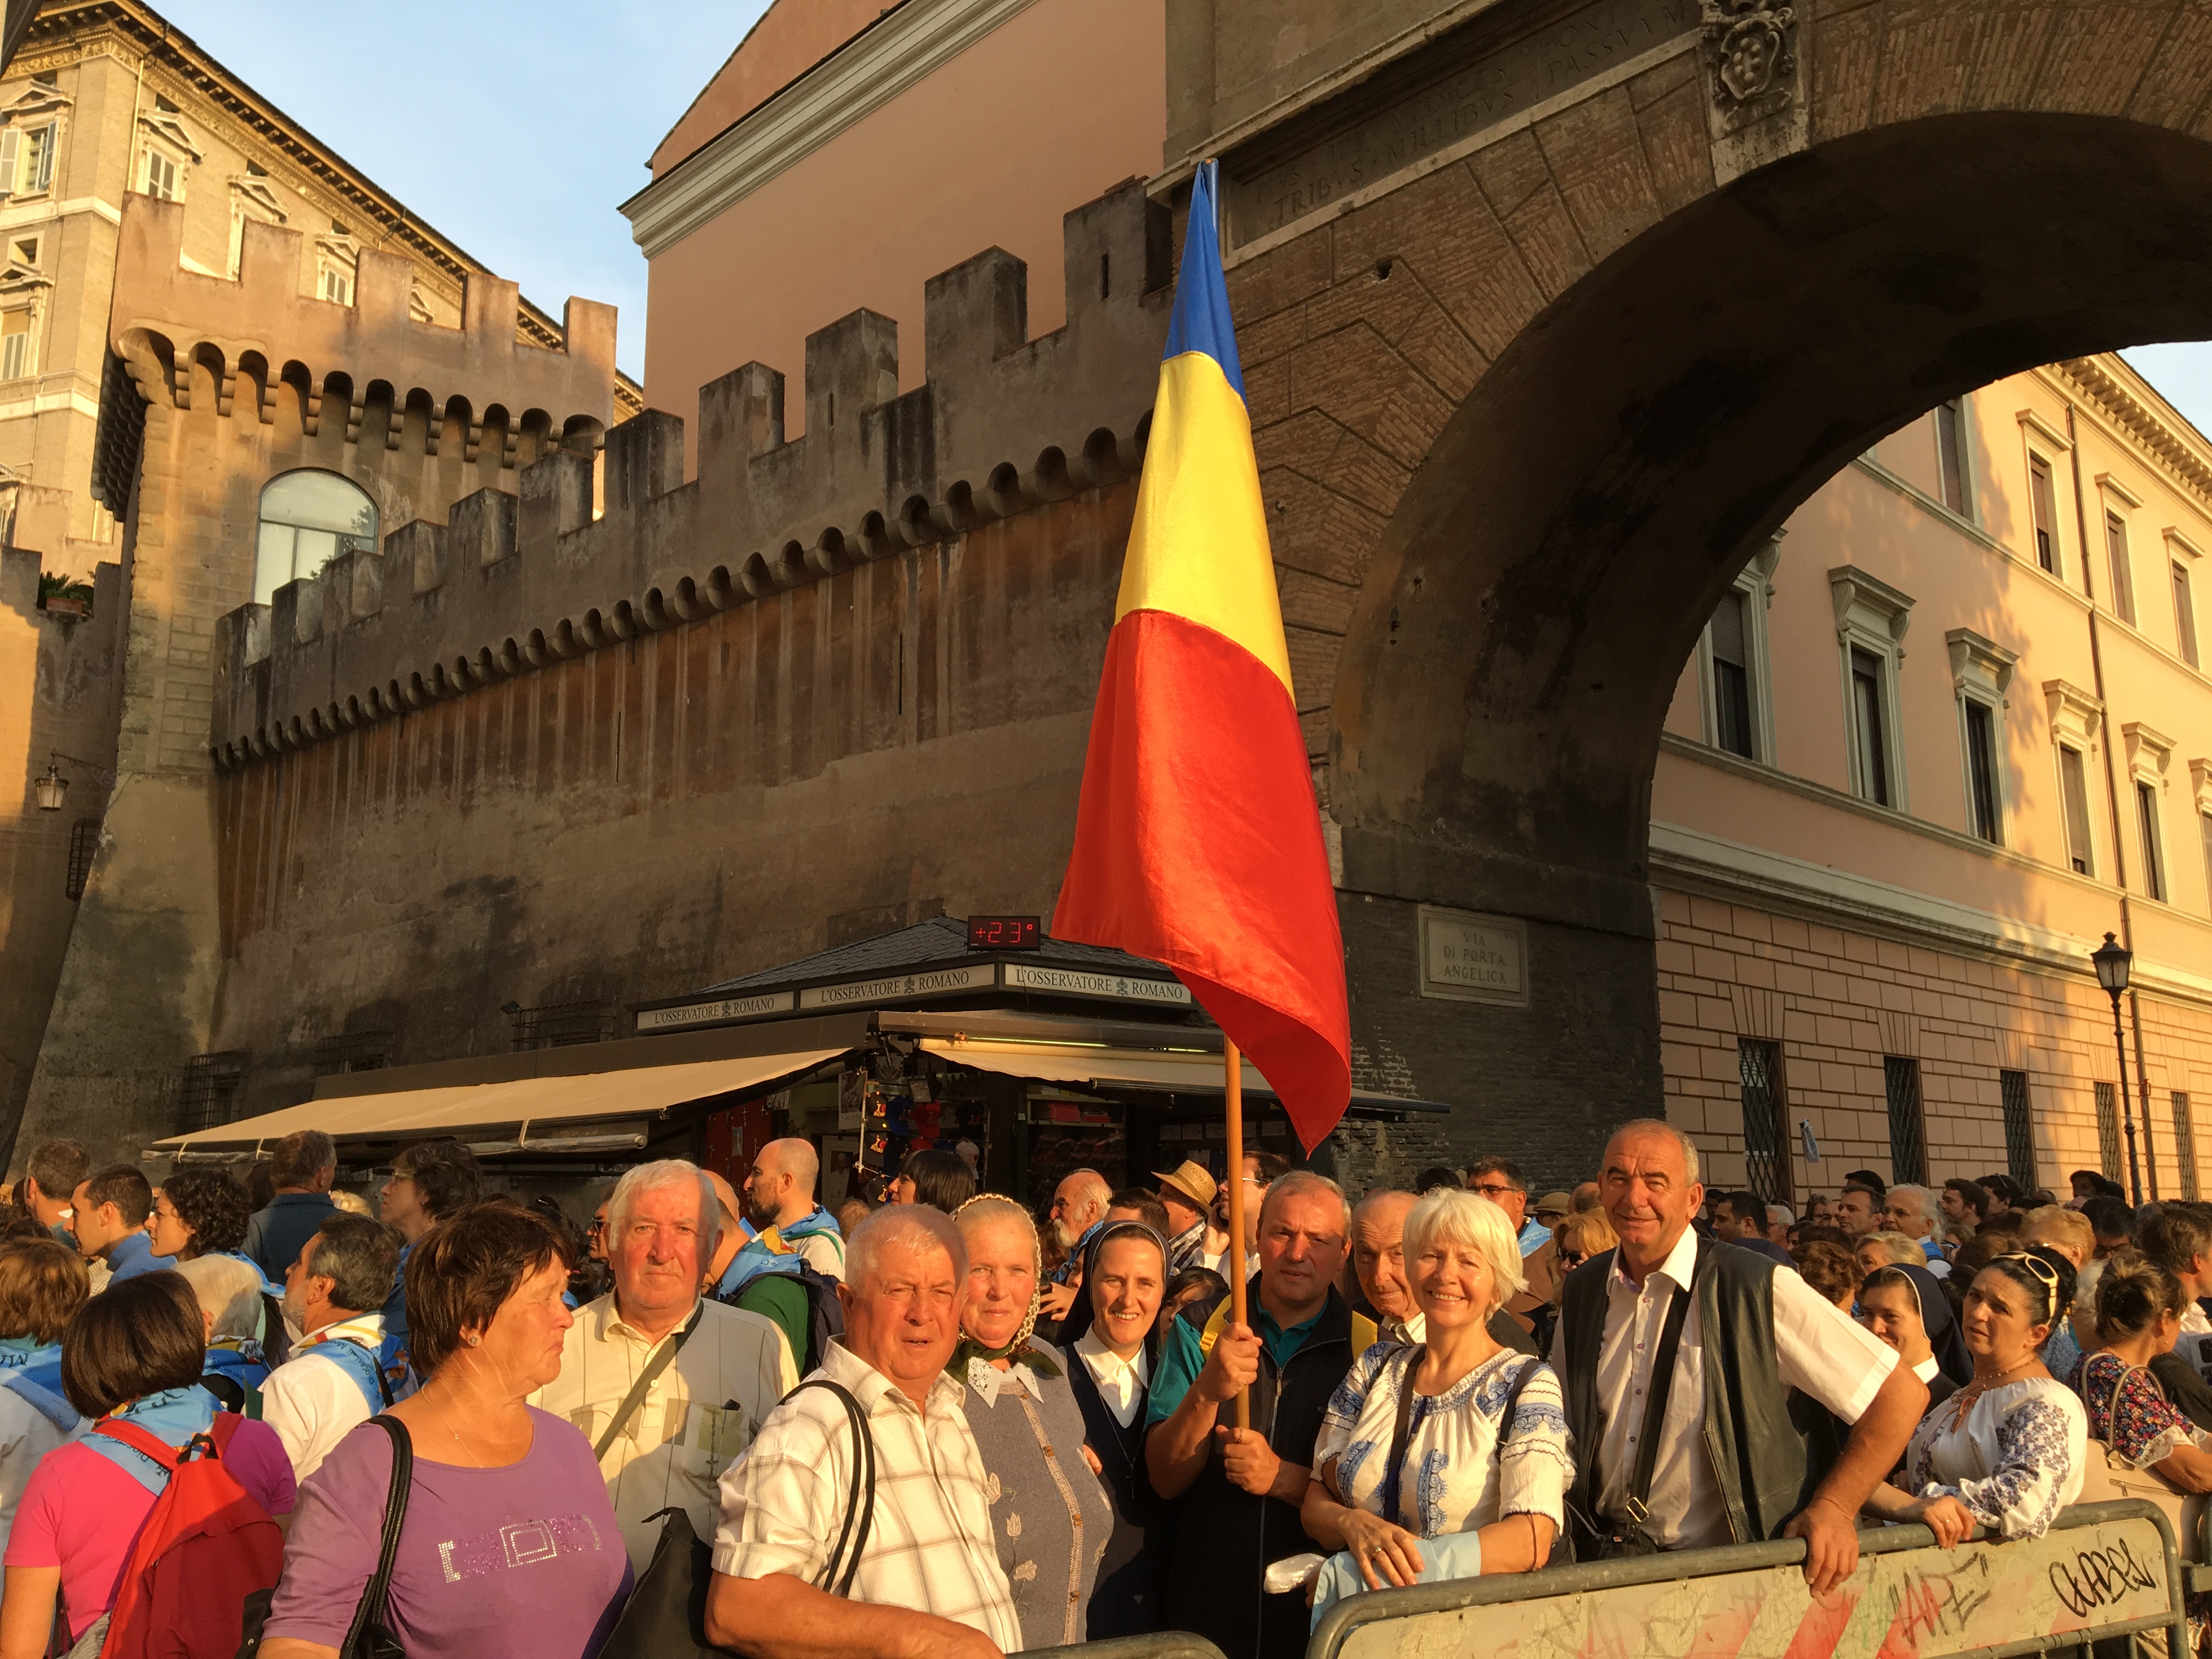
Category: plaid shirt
<point>930,1547</point>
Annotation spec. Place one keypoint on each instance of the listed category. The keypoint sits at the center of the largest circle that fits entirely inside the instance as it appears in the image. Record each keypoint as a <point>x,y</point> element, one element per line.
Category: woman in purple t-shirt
<point>510,1546</point>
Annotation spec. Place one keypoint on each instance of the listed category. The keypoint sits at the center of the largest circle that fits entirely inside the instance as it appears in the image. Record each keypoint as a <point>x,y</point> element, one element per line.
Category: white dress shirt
<point>1121,1381</point>
<point>701,1412</point>
<point>1818,1348</point>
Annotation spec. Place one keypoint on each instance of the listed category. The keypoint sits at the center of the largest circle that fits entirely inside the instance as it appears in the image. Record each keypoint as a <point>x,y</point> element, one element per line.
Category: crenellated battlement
<point>191,340</point>
<point>515,582</point>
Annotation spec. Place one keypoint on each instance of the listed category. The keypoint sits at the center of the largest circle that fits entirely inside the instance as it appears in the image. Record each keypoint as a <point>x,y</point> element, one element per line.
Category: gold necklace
<point>444,1416</point>
<point>1974,1390</point>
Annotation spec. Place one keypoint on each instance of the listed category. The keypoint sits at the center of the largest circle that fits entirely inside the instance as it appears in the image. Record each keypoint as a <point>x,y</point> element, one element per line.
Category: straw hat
<point>1190,1179</point>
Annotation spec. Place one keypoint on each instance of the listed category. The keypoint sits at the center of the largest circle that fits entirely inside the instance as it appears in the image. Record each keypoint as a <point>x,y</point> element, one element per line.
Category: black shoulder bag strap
<point>368,1636</point>
<point>861,1498</point>
<point>1399,1433</point>
<point>1663,1386</point>
<point>646,1379</point>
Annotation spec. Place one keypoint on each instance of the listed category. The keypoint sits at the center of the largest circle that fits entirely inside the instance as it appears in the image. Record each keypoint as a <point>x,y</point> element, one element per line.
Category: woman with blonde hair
<point>1581,1235</point>
<point>1476,1482</point>
<point>1049,1515</point>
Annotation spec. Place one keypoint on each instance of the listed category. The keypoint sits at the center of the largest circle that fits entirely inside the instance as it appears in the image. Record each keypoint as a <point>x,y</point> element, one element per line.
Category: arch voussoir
<point>1670,118</point>
<point>1314,529</point>
<point>1526,198</point>
<point>1442,226</point>
<point>1595,151</point>
<point>1318,446</point>
<point>1360,377</point>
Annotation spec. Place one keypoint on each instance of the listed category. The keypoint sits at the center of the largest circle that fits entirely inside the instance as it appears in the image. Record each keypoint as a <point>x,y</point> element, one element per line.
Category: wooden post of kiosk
<point>1232,1099</point>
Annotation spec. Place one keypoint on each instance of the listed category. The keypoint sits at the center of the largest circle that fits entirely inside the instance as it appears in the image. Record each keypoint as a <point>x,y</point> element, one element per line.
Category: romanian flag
<point>1198,842</point>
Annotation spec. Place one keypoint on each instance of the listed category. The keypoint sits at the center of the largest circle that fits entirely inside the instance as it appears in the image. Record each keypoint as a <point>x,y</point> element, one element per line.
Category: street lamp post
<point>2113,962</point>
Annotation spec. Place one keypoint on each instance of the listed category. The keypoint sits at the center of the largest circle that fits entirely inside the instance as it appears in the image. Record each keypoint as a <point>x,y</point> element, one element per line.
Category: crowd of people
<point>940,1425</point>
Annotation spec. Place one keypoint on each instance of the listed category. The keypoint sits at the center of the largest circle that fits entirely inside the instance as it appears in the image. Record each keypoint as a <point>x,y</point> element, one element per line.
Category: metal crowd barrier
<point>2102,1572</point>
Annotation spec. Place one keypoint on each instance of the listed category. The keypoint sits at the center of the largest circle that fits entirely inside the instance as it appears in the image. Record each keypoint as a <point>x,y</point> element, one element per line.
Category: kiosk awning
<point>1180,1072</point>
<point>536,1113</point>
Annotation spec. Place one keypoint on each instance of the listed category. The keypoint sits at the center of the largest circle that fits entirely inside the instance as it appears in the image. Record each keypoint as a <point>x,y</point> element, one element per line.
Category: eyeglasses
<point>1495,1192</point>
<point>599,1224</point>
<point>1573,1258</point>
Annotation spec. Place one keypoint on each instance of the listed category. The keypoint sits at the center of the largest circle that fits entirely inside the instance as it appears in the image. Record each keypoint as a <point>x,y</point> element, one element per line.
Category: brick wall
<point>1838,1001</point>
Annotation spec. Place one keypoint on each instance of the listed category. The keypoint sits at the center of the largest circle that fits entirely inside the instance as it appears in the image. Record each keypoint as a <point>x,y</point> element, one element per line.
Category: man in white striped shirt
<point>929,1580</point>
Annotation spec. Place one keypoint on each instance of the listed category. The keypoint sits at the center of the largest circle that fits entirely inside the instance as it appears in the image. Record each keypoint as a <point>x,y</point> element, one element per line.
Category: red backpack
<point>205,1547</point>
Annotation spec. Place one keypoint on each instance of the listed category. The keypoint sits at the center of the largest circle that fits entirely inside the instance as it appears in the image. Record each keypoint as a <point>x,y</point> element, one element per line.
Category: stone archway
<point>1522,418</point>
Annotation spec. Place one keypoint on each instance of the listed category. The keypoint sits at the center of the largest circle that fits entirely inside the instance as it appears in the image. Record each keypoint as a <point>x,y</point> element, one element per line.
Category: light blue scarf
<point>34,1373</point>
<point>173,1417</point>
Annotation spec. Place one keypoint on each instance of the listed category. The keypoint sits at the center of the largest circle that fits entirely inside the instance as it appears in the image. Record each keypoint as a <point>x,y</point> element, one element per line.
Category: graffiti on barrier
<point>1909,1604</point>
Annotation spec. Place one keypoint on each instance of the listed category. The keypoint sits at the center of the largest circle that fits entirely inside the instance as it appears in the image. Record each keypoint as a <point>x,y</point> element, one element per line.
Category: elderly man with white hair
<point>1914,1212</point>
<point>1679,1355</point>
<point>927,1578</point>
<point>229,1291</point>
<point>670,1389</point>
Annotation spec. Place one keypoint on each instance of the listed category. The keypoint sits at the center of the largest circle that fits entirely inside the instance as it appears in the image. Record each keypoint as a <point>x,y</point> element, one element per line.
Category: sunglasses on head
<point>2043,1271</point>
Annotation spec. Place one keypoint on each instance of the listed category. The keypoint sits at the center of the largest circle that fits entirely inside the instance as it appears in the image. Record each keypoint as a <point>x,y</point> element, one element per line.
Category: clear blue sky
<point>514,132</point>
<point>517,133</point>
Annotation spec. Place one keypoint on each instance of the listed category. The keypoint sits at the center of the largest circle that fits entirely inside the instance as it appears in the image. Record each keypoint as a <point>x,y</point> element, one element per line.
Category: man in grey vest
<point>1674,1452</point>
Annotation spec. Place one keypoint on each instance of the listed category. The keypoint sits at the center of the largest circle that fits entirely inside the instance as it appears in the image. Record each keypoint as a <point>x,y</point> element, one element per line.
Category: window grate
<point>563,1025</point>
<point>353,1051</point>
<point>208,1093</point>
<point>1908,1142</point>
<point>84,842</point>
<point>2108,1130</point>
<point>1766,1141</point>
<point>2020,1140</point>
<point>2185,1144</point>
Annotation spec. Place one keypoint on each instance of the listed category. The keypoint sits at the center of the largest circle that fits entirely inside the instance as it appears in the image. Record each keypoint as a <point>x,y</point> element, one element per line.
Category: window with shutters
<point>1951,456</point>
<point>2123,578</point>
<point>2020,1138</point>
<point>2204,834</point>
<point>37,172</point>
<point>2185,1144</point>
<point>14,343</point>
<point>2073,801</point>
<point>2108,1130</point>
<point>1869,732</point>
<point>336,284</point>
<point>2147,822</point>
<point>1908,1135</point>
<point>2184,616</point>
<point>2042,508</point>
<point>1984,802</point>
<point>159,181</point>
<point>1766,1127</point>
<point>1731,679</point>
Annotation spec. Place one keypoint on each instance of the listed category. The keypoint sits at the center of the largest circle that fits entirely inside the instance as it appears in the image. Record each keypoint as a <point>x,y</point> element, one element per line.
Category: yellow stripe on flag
<point>1199,547</point>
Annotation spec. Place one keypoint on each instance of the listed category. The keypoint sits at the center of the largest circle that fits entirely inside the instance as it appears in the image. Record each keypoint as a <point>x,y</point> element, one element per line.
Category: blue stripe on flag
<point>1201,321</point>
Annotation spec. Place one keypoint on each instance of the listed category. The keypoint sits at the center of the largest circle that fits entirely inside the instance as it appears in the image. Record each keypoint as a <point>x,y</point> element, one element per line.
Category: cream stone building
<point>102,103</point>
<point>1953,726</point>
<point>105,100</point>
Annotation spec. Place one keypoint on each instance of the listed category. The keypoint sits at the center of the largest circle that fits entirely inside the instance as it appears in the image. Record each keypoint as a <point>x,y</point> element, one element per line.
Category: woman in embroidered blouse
<point>1050,1518</point>
<point>2005,1451</point>
<point>2139,1307</point>
<point>1496,1489</point>
<point>1109,1334</point>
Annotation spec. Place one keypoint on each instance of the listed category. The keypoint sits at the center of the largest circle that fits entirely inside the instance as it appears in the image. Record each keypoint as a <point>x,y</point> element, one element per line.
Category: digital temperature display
<point>1005,934</point>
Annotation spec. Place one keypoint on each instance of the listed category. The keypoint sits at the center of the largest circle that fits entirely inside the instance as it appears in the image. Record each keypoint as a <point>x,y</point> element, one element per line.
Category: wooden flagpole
<point>1232,1098</point>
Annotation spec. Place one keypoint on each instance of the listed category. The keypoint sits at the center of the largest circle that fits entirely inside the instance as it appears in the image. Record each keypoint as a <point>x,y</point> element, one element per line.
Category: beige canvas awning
<point>514,1115</point>
<point>1183,1071</point>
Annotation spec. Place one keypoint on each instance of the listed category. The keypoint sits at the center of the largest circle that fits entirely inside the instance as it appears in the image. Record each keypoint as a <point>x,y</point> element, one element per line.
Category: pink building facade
<point>1948,731</point>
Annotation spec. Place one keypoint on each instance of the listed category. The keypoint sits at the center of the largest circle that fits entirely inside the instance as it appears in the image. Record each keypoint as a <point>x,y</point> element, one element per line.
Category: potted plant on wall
<point>65,595</point>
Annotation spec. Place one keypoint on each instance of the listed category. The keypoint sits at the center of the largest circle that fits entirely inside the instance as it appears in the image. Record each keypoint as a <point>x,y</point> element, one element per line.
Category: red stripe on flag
<point>1198,844</point>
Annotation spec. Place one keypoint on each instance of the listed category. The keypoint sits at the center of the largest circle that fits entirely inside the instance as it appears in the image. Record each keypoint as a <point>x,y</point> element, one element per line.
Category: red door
<point>735,1137</point>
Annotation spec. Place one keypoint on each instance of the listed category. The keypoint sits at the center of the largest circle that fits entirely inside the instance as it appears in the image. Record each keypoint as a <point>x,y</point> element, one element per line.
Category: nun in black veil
<point>1109,1333</point>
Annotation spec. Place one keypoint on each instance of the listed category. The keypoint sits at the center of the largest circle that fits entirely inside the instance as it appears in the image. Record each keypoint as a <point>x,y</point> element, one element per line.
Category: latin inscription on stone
<point>1466,958</point>
<point>1479,93</point>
